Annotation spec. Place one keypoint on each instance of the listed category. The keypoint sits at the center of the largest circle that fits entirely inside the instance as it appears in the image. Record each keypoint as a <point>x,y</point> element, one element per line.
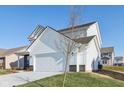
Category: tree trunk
<point>65,71</point>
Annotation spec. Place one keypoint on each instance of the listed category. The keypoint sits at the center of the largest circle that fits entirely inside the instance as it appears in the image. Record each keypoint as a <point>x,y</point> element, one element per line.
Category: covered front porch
<point>106,61</point>
<point>23,58</point>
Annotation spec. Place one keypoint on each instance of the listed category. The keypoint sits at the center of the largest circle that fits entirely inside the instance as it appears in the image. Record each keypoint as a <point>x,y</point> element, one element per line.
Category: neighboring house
<point>46,49</point>
<point>119,61</point>
<point>107,56</point>
<point>13,58</point>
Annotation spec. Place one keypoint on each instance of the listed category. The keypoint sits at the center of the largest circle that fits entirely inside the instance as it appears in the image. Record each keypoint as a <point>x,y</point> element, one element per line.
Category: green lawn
<point>116,68</point>
<point>3,72</point>
<point>77,80</point>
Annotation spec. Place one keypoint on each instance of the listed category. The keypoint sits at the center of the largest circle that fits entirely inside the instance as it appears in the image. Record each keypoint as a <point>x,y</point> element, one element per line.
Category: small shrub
<point>100,67</point>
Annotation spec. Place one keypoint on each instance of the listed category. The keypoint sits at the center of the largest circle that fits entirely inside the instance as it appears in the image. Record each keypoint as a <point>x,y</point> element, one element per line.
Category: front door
<point>26,61</point>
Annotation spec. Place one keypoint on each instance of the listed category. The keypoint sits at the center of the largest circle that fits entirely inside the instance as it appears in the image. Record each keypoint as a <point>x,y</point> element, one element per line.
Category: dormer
<point>39,29</point>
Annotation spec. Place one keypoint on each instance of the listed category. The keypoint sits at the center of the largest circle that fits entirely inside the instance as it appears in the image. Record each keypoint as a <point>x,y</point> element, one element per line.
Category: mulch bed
<point>113,74</point>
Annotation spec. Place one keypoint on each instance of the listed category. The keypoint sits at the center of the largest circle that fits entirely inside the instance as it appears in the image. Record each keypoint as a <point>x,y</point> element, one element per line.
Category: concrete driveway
<point>23,77</point>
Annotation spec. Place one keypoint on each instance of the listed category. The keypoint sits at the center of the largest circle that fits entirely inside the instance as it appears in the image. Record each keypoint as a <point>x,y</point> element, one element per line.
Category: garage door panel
<point>53,62</point>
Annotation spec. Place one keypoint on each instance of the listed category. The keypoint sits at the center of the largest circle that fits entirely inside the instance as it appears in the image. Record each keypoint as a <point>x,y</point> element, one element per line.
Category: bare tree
<point>69,46</point>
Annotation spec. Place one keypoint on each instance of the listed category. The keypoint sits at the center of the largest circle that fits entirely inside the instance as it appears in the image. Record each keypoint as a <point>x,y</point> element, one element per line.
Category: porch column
<point>34,60</point>
<point>18,62</point>
<point>78,61</point>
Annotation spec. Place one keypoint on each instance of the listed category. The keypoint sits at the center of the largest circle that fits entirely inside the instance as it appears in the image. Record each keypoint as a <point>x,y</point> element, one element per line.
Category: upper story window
<point>110,55</point>
<point>104,54</point>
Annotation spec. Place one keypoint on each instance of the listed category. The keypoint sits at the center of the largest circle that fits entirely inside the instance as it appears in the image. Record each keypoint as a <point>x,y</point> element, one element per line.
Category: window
<point>72,53</point>
<point>72,68</point>
<point>81,67</point>
<point>109,55</point>
<point>104,62</point>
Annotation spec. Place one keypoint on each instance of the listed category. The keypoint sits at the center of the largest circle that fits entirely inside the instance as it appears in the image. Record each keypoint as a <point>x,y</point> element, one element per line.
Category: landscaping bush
<point>100,67</point>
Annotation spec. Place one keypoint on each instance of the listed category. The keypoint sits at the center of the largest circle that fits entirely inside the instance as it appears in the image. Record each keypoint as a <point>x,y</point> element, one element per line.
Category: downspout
<point>18,62</point>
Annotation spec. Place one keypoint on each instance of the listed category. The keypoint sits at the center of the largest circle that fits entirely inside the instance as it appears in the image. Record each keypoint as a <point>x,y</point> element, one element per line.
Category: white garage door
<point>49,63</point>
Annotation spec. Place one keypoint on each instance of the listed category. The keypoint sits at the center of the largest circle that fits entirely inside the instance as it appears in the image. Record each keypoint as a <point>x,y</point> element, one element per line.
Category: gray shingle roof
<point>2,51</point>
<point>107,49</point>
<point>10,51</point>
<point>65,30</point>
<point>84,40</point>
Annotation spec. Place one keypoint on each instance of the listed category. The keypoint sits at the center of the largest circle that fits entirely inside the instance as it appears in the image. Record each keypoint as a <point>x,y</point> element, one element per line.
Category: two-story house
<point>107,56</point>
<point>48,46</point>
<point>119,61</point>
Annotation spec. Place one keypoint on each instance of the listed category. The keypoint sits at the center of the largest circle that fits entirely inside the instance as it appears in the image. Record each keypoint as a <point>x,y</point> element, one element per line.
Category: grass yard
<point>77,80</point>
<point>3,72</point>
<point>116,68</point>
